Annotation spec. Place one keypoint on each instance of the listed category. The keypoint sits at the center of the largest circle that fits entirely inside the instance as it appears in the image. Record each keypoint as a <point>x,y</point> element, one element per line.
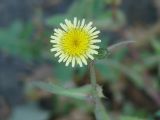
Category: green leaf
<point>79,93</point>
<point>130,118</point>
<point>156,45</point>
<point>15,40</point>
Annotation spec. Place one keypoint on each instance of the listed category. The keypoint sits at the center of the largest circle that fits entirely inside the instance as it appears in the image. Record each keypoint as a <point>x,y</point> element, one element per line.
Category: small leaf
<point>100,91</point>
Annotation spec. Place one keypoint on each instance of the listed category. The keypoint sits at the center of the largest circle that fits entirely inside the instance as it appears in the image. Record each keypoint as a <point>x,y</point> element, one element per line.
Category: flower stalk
<point>99,110</point>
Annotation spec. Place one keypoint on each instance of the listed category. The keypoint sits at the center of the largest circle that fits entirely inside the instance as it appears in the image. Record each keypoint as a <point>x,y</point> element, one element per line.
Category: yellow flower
<point>75,42</point>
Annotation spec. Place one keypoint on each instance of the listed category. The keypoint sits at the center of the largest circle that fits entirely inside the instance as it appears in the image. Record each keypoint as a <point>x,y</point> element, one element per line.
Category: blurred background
<point>130,75</point>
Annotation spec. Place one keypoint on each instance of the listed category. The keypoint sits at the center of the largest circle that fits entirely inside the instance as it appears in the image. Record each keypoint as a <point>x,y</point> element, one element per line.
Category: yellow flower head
<point>75,42</point>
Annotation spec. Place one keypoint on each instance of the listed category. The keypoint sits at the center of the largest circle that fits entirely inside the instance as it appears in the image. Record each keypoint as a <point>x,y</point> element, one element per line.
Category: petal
<point>94,46</point>
<point>73,61</point>
<point>56,45</point>
<point>59,31</point>
<point>68,61</point>
<point>54,41</point>
<point>95,41</point>
<point>63,26</point>
<point>78,25</point>
<point>53,37</point>
<point>92,30</point>
<point>79,62</point>
<point>83,60</point>
<point>55,49</point>
<point>66,57</point>
<point>95,33</point>
<point>90,56</point>
<point>58,53</point>
<point>93,37</point>
<point>93,51</point>
<point>88,26</point>
<point>61,58</point>
<point>68,23</point>
<point>75,21</point>
<point>82,23</point>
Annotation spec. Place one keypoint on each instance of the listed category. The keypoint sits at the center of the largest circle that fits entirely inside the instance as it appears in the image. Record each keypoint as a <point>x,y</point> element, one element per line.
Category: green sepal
<point>102,53</point>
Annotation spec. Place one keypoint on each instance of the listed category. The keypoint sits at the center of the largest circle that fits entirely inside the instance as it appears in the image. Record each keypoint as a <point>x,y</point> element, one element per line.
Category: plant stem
<point>93,79</point>
<point>99,109</point>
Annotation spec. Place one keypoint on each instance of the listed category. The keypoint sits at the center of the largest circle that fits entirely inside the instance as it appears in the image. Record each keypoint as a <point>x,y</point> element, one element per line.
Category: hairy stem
<point>93,78</point>
<point>99,109</point>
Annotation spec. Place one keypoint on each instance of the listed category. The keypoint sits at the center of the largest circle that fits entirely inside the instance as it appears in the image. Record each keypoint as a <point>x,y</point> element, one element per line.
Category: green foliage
<point>16,40</point>
<point>19,40</point>
<point>90,10</point>
<point>135,77</point>
<point>82,93</point>
<point>156,45</point>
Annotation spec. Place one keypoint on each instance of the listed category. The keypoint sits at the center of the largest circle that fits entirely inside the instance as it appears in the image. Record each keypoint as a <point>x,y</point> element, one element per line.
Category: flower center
<point>75,42</point>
